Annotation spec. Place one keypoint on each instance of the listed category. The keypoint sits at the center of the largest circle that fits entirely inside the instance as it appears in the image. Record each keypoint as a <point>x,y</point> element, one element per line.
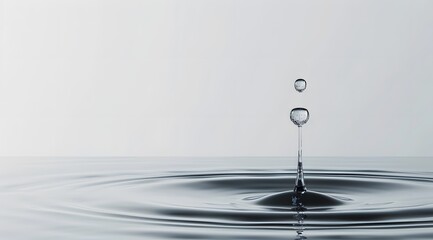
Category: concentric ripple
<point>228,204</point>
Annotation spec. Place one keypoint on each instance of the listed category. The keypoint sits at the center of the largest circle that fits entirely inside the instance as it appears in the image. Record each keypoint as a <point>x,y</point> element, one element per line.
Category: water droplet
<point>299,116</point>
<point>300,85</point>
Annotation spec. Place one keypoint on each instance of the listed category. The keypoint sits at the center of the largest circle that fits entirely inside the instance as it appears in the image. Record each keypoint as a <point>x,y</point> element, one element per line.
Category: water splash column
<point>299,117</point>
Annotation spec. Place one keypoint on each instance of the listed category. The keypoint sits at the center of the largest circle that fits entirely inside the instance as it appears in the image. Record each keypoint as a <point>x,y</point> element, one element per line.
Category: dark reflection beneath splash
<point>288,199</point>
<point>300,216</point>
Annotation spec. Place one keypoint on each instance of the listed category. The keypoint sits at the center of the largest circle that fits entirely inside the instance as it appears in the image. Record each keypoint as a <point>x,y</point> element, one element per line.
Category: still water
<point>215,198</point>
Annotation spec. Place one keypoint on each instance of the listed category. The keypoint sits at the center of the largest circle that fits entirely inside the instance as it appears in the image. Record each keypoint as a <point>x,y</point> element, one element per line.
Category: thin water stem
<point>300,184</point>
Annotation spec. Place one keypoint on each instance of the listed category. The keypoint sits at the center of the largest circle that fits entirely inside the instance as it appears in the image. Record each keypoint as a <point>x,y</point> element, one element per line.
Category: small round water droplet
<point>299,116</point>
<point>300,85</point>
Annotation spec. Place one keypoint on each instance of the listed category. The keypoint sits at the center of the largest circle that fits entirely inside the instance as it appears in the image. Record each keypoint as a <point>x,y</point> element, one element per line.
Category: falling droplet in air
<point>300,85</point>
<point>299,116</point>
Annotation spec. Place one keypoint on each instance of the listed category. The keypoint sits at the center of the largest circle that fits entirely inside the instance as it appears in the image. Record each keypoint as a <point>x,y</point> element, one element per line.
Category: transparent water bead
<point>299,116</point>
<point>300,85</point>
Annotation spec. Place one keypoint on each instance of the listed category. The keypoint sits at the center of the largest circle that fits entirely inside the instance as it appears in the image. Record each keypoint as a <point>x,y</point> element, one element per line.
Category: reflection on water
<point>299,216</point>
<point>215,198</point>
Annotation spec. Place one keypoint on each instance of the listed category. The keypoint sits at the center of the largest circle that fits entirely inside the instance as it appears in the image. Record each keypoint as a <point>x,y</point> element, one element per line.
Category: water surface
<point>215,198</point>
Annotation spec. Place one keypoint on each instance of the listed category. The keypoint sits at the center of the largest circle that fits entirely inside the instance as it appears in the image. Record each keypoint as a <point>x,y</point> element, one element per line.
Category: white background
<point>215,77</point>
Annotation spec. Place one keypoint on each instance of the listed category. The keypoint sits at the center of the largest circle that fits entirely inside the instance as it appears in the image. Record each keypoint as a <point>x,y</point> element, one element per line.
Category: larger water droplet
<point>300,85</point>
<point>299,116</point>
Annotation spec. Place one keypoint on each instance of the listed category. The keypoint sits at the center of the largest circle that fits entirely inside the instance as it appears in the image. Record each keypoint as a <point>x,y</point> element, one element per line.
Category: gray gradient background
<point>215,78</point>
